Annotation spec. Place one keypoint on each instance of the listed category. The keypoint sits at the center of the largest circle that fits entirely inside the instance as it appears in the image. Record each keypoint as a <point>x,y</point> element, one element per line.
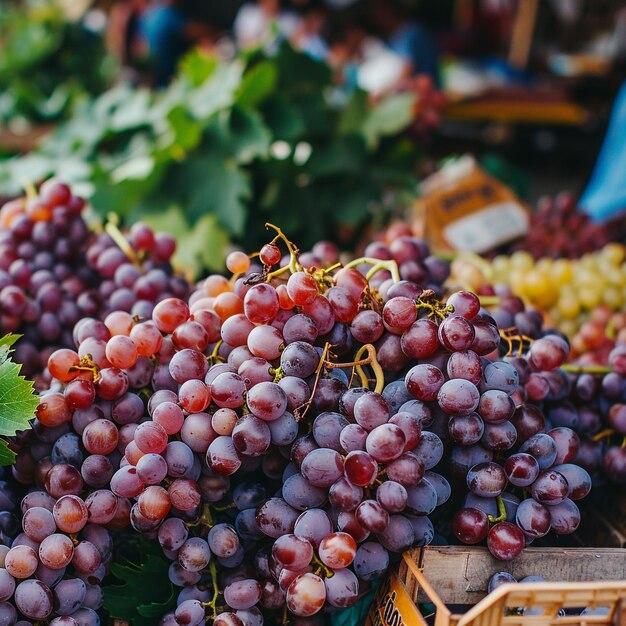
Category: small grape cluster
<point>563,229</point>
<point>502,578</point>
<point>597,411</point>
<point>54,272</point>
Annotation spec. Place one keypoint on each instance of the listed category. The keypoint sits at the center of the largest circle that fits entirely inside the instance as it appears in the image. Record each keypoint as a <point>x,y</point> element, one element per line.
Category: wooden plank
<point>460,574</point>
<point>510,112</point>
<point>522,36</point>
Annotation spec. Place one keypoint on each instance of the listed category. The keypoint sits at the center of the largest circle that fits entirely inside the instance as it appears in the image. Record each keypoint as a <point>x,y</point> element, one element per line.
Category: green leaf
<point>186,132</point>
<point>197,66</point>
<point>133,112</point>
<point>200,247</point>
<point>218,92</point>
<point>283,119</point>
<point>7,456</point>
<point>17,400</point>
<point>248,137</point>
<point>390,116</point>
<point>257,84</point>
<point>145,593</point>
<point>6,343</point>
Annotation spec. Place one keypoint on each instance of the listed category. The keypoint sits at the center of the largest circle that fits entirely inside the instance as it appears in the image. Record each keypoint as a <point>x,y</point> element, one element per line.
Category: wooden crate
<point>451,576</point>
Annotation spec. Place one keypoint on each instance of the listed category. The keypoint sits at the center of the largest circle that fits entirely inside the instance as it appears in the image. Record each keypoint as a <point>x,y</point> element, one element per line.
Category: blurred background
<point>208,119</point>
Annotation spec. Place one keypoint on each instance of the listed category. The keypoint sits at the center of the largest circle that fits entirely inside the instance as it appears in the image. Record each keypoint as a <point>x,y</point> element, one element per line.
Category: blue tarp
<point>605,194</point>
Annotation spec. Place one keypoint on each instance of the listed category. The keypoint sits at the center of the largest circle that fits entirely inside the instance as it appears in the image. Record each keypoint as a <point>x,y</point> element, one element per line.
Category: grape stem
<point>214,356</point>
<point>29,188</point>
<point>216,592</point>
<point>377,265</point>
<point>320,568</point>
<point>87,364</point>
<point>623,442</point>
<point>277,373</point>
<point>434,308</point>
<point>115,233</point>
<point>489,300</point>
<point>294,266</point>
<point>511,334</point>
<point>607,432</point>
<point>358,364</point>
<point>501,512</point>
<point>572,368</point>
<point>299,415</point>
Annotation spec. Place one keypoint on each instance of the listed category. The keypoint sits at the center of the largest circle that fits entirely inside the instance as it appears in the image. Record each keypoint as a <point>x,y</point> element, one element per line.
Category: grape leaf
<point>7,456</point>
<point>146,593</point>
<point>17,400</point>
<point>6,343</point>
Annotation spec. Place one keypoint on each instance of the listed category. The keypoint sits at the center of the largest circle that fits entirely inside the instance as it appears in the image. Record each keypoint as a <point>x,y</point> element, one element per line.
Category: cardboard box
<point>465,209</point>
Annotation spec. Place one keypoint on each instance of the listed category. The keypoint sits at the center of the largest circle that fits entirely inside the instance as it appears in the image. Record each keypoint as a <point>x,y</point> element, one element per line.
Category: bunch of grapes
<point>283,435</point>
<point>53,273</point>
<point>560,227</point>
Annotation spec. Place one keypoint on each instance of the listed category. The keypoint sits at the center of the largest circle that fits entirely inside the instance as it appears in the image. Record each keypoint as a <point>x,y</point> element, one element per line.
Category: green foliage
<point>17,400</point>
<point>146,592</point>
<point>231,145</point>
<point>39,80</point>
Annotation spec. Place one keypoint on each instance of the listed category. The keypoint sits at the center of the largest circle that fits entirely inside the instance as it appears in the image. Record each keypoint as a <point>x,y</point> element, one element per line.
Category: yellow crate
<point>458,575</point>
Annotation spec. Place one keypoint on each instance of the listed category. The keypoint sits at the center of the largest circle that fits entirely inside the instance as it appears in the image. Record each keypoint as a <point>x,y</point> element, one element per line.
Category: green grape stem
<point>501,512</point>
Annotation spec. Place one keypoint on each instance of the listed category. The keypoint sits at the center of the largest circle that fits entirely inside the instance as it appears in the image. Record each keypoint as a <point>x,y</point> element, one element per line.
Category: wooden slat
<point>460,574</point>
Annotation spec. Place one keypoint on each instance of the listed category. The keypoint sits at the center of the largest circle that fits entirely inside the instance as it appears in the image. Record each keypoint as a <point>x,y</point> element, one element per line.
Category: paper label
<point>470,211</point>
<point>393,606</point>
<point>488,228</point>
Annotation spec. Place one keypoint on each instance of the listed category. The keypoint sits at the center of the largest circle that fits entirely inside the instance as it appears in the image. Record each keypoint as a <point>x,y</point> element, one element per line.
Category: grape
<point>7,585</point>
<point>189,612</point>
<point>306,594</point>
<point>467,429</point>
<point>486,480</point>
<point>242,594</point>
<point>424,382</point>
<point>533,518</point>
<point>33,599</point>
<point>292,552</point>
<point>456,333</point>
<point>578,480</point>
<point>194,554</point>
<point>38,523</point>
<point>392,497</point>
<point>21,561</point>
<point>470,525</point>
<point>550,488</point>
<point>371,560</point>
<point>422,498</point>
<point>521,469</point>
<point>360,468</point>
<point>399,534</point>
<point>499,578</point>
<point>68,595</point>
<point>458,396</point>
<point>543,448</point>
<point>342,590</point>
<point>70,514</point>
<point>505,541</point>
<point>301,494</point>
<point>223,540</point>
<point>275,517</point>
<point>251,436</point>
<point>322,467</point>
<point>222,456</point>
<point>267,401</point>
<point>313,525</point>
<point>564,517</point>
